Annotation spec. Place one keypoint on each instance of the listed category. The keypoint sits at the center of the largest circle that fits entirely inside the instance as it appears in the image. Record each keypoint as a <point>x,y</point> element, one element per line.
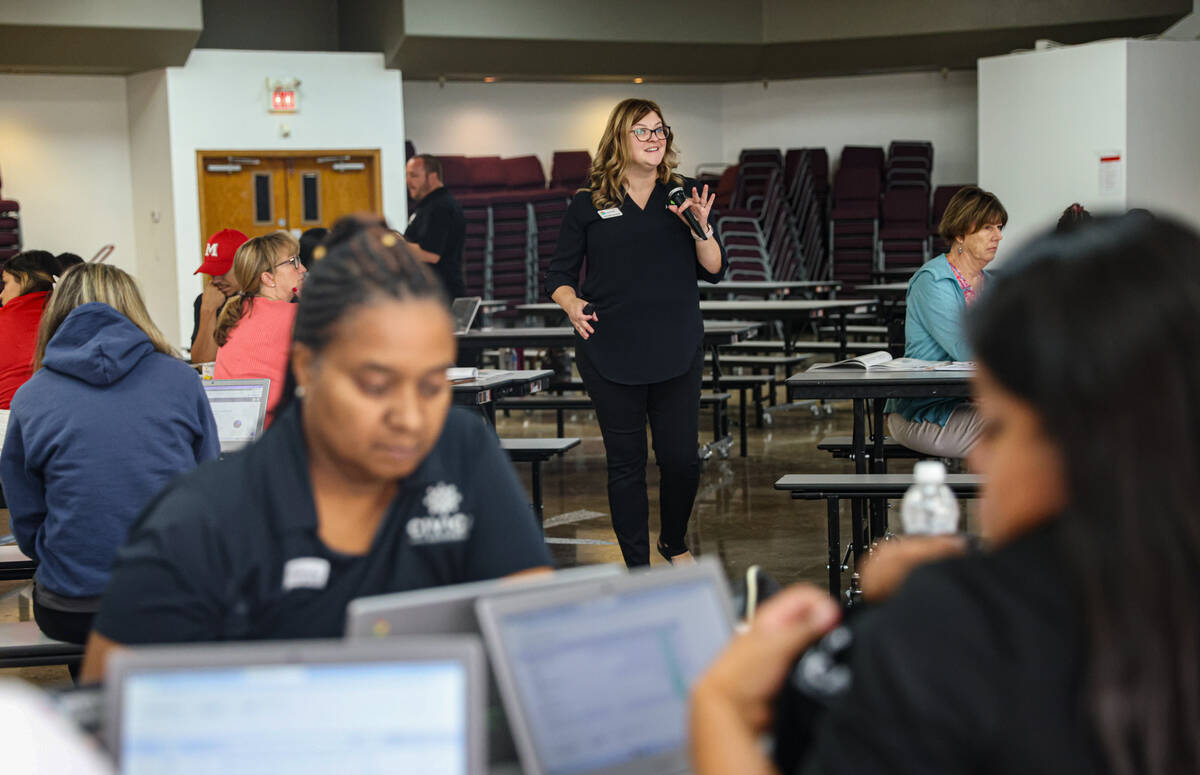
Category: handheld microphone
<point>676,197</point>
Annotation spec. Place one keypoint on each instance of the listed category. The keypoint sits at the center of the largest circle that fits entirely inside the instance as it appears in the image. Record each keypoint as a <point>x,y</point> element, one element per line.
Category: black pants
<point>673,408</point>
<point>65,626</point>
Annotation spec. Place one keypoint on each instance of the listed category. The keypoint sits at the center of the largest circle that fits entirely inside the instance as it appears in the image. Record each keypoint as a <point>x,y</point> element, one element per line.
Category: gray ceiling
<point>579,40</point>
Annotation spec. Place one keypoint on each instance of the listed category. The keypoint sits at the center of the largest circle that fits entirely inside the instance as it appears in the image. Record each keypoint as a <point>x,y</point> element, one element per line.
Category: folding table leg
<point>833,528</point>
<point>537,494</point>
<point>742,419</point>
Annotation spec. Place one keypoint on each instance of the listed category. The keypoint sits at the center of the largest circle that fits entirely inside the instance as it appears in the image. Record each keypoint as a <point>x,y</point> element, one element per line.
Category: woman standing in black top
<point>1072,645</point>
<point>637,318</point>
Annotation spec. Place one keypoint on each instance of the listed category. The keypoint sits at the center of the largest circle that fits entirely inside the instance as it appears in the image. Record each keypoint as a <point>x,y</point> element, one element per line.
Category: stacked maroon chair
<point>941,198</point>
<point>10,229</point>
<point>457,175</point>
<point>569,169</point>
<point>904,232</point>
<point>808,211</point>
<point>854,219</point>
<point>549,206</point>
<point>909,165</point>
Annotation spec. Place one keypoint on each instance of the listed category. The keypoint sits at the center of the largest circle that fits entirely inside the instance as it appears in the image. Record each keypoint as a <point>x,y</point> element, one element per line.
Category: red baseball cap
<point>218,253</point>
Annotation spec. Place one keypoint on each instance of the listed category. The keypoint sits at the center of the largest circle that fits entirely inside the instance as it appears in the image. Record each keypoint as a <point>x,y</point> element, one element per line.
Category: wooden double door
<point>258,192</point>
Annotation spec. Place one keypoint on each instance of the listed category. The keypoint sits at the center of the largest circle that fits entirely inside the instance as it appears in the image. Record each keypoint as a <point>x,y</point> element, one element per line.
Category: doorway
<point>258,192</point>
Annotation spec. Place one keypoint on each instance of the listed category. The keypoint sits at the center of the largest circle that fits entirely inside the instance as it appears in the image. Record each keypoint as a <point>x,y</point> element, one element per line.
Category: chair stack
<point>809,207</point>
<point>904,233</point>
<point>941,198</point>
<point>909,165</point>
<point>854,214</point>
<point>10,228</point>
<point>504,202</point>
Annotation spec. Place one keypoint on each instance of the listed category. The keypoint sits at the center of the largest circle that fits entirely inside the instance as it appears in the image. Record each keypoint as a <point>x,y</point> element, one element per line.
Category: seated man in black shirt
<point>437,229</point>
<point>218,264</point>
<point>1068,646</point>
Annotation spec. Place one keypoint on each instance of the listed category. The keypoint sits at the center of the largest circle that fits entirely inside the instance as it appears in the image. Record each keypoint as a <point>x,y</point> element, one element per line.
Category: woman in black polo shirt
<point>637,318</point>
<point>368,482</point>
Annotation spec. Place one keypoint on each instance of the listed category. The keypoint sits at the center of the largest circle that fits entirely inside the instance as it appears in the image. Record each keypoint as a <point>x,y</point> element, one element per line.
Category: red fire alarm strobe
<point>283,95</point>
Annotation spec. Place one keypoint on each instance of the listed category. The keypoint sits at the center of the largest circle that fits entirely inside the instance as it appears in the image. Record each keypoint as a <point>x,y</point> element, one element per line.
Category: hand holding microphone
<point>694,210</point>
<point>580,312</point>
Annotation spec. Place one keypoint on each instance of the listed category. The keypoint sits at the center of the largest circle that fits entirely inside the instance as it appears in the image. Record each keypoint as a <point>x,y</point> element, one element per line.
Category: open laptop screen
<point>240,407</point>
<point>465,309</point>
<point>297,719</point>
<point>604,682</point>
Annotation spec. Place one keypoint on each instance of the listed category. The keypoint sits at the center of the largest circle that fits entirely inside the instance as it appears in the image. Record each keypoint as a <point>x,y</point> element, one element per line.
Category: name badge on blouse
<point>612,212</point>
<point>305,573</point>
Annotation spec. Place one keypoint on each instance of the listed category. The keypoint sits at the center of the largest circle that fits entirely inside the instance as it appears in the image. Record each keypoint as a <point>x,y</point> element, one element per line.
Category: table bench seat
<point>22,644</point>
<point>14,565</point>
<point>843,447</point>
<point>832,488</point>
<point>536,452</point>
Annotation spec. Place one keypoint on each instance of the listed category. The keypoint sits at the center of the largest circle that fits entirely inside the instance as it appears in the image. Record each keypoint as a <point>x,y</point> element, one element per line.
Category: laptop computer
<point>464,309</point>
<point>450,610</point>
<point>240,409</point>
<point>595,677</point>
<point>298,707</point>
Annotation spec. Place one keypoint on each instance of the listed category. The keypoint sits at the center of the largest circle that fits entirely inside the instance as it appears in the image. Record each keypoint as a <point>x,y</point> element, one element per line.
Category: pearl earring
<point>300,391</point>
<point>960,250</point>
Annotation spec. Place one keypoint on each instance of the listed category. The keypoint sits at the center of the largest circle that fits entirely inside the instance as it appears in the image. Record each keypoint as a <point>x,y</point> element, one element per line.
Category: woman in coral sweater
<point>254,332</point>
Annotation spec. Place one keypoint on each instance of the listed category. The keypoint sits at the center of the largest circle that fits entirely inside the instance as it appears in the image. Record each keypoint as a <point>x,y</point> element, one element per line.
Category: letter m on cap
<point>210,250</point>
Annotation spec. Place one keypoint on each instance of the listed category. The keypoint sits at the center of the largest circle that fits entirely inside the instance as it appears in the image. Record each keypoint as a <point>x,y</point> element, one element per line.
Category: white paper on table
<point>956,366</point>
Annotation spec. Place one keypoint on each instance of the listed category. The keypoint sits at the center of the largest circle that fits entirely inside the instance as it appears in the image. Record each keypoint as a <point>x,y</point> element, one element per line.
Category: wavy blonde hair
<point>85,283</point>
<point>255,256</point>
<point>606,180</point>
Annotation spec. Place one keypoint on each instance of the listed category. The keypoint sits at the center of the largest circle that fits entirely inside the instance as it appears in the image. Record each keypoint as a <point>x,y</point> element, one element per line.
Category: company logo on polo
<point>445,524</point>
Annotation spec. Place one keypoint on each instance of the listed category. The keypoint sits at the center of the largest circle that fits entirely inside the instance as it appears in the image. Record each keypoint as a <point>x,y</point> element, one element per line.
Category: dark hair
<point>433,165</point>
<point>308,242</point>
<point>968,210</point>
<point>35,270</point>
<point>1113,371</point>
<point>364,261</point>
<point>66,261</point>
<point>1072,218</point>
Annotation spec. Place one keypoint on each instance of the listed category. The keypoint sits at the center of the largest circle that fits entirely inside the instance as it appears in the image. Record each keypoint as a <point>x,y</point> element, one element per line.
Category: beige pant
<point>954,439</point>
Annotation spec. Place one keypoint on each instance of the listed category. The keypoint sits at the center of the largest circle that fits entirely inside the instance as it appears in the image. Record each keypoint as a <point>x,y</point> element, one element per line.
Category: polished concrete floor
<point>738,517</point>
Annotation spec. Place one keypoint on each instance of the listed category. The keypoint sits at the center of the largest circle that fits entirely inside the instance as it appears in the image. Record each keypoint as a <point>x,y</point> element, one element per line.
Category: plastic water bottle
<point>929,508</point>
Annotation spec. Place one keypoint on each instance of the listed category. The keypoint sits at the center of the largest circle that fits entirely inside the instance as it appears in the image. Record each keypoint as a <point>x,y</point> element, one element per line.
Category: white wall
<point>1044,120</point>
<point>1163,128</point>
<point>859,110</point>
<point>64,155</point>
<point>517,119</point>
<point>218,101</point>
<point>153,202</point>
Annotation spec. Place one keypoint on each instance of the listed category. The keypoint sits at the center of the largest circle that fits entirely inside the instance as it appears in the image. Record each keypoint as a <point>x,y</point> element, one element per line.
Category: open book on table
<point>881,360</point>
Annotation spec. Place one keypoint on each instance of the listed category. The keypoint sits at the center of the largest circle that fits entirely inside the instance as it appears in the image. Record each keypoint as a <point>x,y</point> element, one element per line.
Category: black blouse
<point>641,275</point>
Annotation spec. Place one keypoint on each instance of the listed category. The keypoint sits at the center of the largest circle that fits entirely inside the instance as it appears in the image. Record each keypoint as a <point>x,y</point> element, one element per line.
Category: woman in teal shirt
<point>938,294</point>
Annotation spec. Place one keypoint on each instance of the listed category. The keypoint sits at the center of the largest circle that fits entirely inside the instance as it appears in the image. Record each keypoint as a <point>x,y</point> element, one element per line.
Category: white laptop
<point>450,610</point>
<point>464,309</point>
<point>595,677</point>
<point>240,409</point>
<point>298,707</point>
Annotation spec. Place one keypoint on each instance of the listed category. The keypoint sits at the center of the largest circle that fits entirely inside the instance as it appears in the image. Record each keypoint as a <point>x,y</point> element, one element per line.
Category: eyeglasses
<point>643,134</point>
<point>293,260</point>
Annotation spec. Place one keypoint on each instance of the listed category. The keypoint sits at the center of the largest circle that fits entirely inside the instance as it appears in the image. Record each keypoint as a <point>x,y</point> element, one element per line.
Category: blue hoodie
<point>93,436</point>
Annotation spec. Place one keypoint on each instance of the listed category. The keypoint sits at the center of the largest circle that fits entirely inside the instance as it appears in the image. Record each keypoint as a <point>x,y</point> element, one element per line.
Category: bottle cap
<point>929,472</point>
